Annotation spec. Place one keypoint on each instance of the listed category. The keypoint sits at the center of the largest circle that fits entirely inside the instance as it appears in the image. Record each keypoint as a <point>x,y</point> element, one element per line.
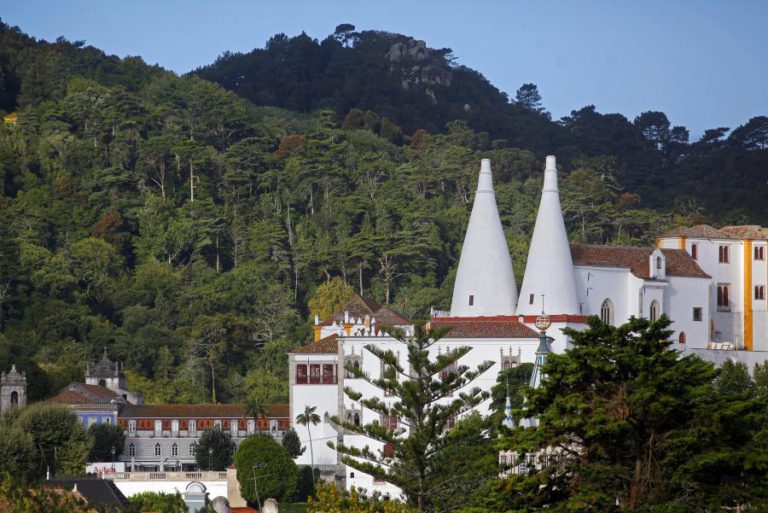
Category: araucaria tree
<point>428,396</point>
<point>627,423</point>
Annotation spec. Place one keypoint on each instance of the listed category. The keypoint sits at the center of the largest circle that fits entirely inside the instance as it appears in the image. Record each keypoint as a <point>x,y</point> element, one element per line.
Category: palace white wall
<point>325,399</point>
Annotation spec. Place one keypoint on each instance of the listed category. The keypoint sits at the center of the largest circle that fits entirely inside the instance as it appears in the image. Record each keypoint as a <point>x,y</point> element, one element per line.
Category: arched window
<point>681,337</point>
<point>174,450</point>
<point>14,397</point>
<point>192,449</point>
<point>157,449</point>
<point>655,311</point>
<point>131,450</point>
<point>606,312</point>
<point>102,382</point>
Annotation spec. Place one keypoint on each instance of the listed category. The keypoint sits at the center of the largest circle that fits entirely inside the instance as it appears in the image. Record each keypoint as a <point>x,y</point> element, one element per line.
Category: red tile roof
<point>82,393</point>
<point>359,307</point>
<point>747,231</point>
<point>700,231</point>
<point>159,411</point>
<point>483,327</point>
<point>678,262</point>
<point>327,345</point>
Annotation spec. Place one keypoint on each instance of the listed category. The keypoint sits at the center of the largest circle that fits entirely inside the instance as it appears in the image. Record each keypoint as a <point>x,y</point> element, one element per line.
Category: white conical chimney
<point>485,283</point>
<point>549,269</point>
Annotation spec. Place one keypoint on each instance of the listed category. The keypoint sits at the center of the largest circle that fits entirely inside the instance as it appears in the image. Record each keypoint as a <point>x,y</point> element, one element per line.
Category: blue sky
<point>701,62</point>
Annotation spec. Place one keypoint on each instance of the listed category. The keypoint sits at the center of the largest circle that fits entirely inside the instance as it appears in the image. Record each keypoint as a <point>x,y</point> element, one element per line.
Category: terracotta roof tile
<point>679,263</point>
<point>484,327</point>
<point>159,411</point>
<point>747,232</point>
<point>700,231</point>
<point>359,307</point>
<point>82,393</point>
<point>327,345</point>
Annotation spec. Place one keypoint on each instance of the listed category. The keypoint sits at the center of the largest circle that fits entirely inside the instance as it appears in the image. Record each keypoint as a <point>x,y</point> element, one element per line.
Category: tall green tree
<point>214,450</point>
<point>428,401</point>
<point>260,457</point>
<point>630,424</point>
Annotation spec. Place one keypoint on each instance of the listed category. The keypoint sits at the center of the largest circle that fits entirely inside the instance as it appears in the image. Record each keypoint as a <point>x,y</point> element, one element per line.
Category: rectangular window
<point>387,372</point>
<point>760,292</point>
<point>530,299</point>
<point>722,254</point>
<point>329,374</point>
<point>301,373</point>
<point>217,425</point>
<point>175,428</point>
<point>697,313</point>
<point>723,296</point>
<point>471,300</point>
<point>131,428</point>
<point>314,373</point>
<point>759,253</point>
<point>694,251</point>
<point>158,427</point>
<point>388,422</point>
<point>251,426</point>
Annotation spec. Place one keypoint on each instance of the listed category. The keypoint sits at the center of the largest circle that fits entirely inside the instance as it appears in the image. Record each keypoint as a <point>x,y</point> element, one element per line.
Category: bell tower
<point>13,390</point>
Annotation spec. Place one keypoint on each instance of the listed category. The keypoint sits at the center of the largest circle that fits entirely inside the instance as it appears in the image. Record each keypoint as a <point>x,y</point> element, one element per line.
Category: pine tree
<point>430,395</point>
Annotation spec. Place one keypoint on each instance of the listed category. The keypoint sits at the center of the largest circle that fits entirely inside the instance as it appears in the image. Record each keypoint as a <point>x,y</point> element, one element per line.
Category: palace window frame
<point>606,311</point>
<point>723,254</point>
<point>760,292</point>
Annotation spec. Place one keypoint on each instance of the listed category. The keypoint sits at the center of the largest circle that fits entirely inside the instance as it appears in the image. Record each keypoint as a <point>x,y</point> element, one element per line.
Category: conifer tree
<point>430,394</point>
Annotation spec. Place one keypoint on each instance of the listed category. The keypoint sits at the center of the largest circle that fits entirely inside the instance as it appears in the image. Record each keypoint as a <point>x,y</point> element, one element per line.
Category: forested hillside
<point>185,228</point>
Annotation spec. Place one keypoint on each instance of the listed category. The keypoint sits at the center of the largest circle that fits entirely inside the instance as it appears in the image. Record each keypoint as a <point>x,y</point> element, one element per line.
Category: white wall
<point>130,488</point>
<point>325,399</point>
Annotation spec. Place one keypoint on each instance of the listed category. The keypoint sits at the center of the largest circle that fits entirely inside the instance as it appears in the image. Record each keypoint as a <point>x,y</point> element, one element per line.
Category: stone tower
<point>549,269</point>
<point>106,373</point>
<point>485,282</point>
<point>13,390</point>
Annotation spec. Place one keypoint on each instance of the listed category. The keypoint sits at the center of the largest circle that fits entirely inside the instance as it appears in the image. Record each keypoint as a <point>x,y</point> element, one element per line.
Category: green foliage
<point>108,442</point>
<point>277,474</point>
<point>292,443</point>
<point>214,450</point>
<point>185,228</point>
<point>159,502</point>
<point>19,497</point>
<point>426,401</point>
<point>628,419</point>
<point>329,298</point>
<point>61,439</point>
<point>330,499</point>
<point>18,455</point>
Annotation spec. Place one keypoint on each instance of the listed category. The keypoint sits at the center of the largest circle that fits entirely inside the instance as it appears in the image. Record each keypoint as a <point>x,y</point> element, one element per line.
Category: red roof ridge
<point>323,346</point>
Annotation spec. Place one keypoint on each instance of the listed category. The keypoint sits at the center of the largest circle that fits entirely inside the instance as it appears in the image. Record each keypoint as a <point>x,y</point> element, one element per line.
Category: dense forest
<point>184,223</point>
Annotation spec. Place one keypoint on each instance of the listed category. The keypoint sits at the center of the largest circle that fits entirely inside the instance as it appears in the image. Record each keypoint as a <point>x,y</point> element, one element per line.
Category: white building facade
<point>568,282</point>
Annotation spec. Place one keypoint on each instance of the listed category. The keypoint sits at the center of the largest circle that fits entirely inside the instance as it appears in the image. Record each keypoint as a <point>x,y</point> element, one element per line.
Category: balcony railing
<point>166,476</point>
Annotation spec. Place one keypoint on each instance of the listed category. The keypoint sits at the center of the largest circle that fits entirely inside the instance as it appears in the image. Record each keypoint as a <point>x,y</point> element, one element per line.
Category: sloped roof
<point>98,492</point>
<point>82,393</point>
<point>678,262</point>
<point>700,231</point>
<point>180,411</point>
<point>747,231</point>
<point>502,326</point>
<point>327,345</point>
<point>359,307</point>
